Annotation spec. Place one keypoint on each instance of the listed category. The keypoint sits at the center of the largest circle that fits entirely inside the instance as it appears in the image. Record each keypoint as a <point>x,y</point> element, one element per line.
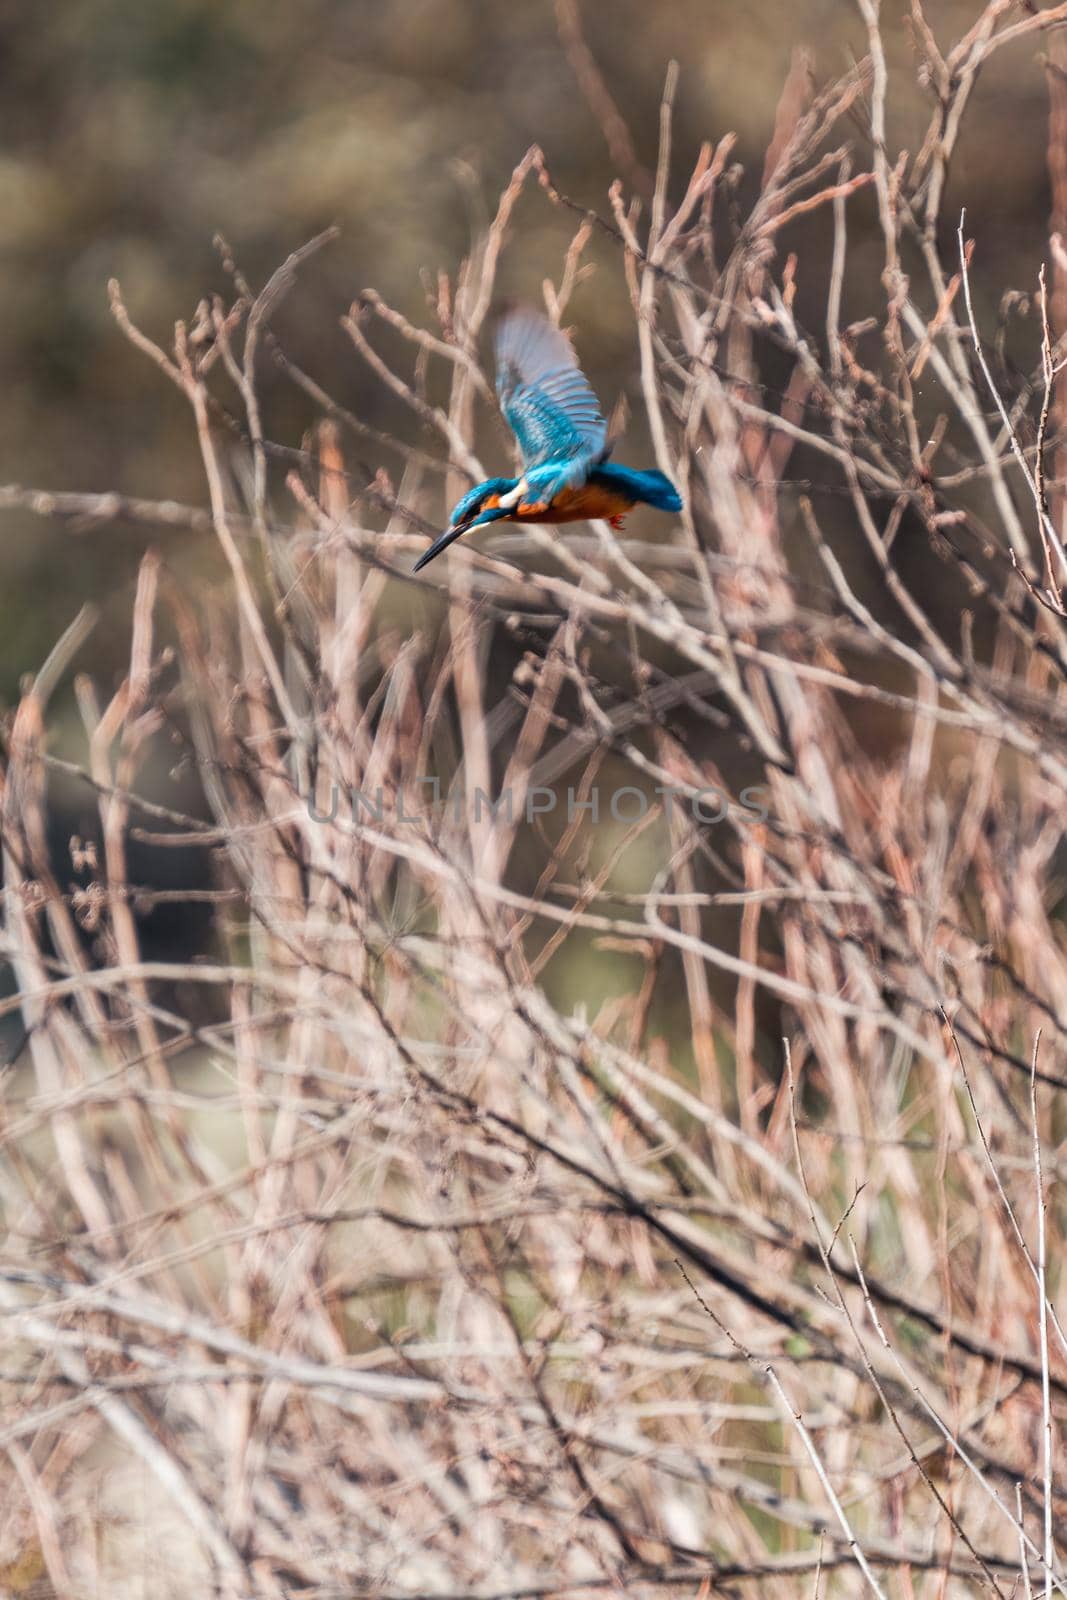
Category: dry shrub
<point>351,1255</point>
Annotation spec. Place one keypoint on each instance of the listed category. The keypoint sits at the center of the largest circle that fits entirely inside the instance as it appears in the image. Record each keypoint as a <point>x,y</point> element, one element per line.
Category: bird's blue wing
<point>545,395</point>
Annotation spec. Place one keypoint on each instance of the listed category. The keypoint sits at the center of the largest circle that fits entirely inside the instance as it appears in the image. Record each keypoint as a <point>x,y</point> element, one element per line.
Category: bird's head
<point>478,505</point>
<point>482,498</point>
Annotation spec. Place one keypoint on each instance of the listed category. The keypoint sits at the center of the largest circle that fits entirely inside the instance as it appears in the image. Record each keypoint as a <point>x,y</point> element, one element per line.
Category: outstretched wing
<point>545,395</point>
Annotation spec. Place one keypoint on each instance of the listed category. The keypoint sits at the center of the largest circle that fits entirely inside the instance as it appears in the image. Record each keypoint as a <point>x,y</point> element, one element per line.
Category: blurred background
<point>133,134</point>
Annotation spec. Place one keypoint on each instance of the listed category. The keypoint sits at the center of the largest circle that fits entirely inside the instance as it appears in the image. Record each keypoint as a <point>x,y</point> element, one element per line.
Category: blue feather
<point>651,488</point>
<point>546,399</point>
<point>469,503</point>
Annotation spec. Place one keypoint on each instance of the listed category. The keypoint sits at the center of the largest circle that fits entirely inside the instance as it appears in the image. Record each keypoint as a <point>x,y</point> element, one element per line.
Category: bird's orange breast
<point>586,502</point>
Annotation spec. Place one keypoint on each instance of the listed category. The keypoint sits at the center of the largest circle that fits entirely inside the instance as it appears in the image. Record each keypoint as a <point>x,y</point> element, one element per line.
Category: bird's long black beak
<point>449,535</point>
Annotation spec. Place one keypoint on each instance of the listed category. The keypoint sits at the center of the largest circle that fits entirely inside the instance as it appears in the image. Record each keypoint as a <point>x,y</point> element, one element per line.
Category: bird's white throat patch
<point>513,496</point>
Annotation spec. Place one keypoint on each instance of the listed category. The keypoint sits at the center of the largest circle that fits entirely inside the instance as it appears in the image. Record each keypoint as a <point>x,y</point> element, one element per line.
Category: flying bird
<point>553,413</point>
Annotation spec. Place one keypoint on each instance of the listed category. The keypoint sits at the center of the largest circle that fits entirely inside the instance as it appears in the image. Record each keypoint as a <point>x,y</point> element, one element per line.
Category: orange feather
<point>587,501</point>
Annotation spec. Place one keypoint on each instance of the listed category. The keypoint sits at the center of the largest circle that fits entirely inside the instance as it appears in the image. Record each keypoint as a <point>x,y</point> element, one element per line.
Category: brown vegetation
<point>509,1198</point>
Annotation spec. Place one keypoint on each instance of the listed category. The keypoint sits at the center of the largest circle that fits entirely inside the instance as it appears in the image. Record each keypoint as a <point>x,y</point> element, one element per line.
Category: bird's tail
<point>651,487</point>
<point>655,489</point>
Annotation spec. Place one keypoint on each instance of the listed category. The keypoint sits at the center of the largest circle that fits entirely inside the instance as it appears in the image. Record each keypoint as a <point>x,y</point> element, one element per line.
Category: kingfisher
<point>551,409</point>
